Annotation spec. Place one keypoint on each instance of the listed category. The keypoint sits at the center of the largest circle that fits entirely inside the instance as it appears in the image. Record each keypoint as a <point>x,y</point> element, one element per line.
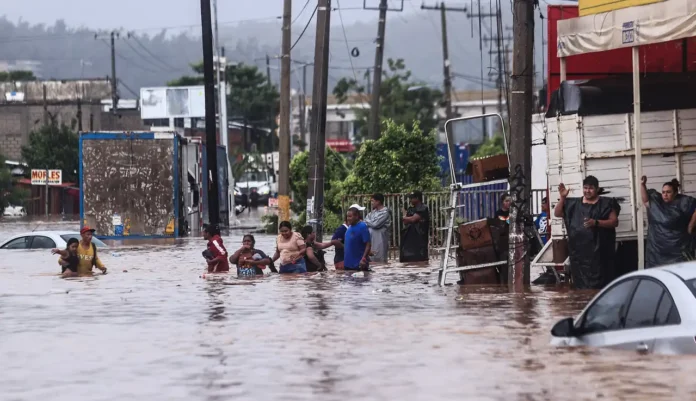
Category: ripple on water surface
<point>160,332</point>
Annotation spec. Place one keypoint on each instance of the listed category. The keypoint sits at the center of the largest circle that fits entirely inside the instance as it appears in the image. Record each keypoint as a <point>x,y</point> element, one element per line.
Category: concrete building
<point>343,122</point>
<point>23,109</point>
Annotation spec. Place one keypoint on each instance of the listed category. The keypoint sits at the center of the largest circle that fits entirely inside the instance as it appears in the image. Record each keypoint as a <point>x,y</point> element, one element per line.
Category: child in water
<point>68,258</point>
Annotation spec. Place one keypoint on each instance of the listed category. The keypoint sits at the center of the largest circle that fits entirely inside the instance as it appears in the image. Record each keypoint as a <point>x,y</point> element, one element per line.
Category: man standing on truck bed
<point>591,223</point>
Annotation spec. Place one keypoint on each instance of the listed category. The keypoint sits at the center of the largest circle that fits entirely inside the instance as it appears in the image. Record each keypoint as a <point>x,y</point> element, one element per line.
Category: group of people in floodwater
<point>358,242</point>
<point>591,222</point>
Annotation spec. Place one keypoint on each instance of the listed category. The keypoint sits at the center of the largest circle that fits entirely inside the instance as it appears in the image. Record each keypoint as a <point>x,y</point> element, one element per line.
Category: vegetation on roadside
<point>10,194</point>
<point>54,146</point>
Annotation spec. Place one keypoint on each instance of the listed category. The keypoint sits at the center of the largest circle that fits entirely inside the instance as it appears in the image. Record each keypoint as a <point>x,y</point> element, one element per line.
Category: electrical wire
<point>300,13</point>
<point>167,65</point>
<point>305,28</point>
<point>350,59</point>
<point>143,57</point>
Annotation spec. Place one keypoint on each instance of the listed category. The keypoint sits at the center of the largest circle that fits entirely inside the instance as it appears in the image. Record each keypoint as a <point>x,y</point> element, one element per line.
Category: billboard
<point>589,7</point>
<point>172,102</point>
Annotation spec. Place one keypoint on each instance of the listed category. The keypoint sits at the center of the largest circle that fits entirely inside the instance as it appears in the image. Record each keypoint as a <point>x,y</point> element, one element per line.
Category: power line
<point>352,67</point>
<point>167,65</point>
<point>301,11</point>
<point>127,60</point>
<point>305,28</point>
<point>143,57</point>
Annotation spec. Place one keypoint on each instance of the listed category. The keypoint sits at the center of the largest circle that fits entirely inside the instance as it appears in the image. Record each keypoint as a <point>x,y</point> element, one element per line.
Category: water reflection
<point>160,332</point>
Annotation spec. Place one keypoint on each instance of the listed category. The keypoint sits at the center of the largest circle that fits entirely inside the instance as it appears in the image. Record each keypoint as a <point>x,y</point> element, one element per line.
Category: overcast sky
<point>143,14</point>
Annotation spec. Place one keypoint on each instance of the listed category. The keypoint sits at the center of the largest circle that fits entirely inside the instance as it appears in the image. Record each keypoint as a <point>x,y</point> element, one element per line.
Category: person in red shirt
<point>216,254</point>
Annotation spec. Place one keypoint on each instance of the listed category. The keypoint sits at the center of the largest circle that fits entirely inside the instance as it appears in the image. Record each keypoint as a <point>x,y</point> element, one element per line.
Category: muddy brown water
<point>160,332</point>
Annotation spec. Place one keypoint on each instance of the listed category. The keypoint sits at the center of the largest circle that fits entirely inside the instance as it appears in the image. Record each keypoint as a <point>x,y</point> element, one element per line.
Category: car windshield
<point>253,176</point>
<point>96,241</point>
<point>692,285</point>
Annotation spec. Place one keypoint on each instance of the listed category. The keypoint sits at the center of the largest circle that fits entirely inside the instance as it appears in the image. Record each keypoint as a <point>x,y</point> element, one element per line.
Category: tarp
<point>628,27</point>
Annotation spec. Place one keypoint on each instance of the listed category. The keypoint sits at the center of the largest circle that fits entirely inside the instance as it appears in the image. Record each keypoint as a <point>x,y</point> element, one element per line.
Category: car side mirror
<point>564,328</point>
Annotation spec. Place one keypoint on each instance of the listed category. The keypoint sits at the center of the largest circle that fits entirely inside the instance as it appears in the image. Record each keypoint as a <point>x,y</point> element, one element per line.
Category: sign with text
<point>38,177</point>
<point>589,7</point>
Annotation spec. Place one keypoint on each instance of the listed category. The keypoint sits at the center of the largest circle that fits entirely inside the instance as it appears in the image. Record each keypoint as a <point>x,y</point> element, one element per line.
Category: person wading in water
<point>86,253</point>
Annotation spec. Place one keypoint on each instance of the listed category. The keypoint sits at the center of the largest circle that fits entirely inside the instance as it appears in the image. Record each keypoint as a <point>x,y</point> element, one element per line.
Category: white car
<point>652,310</point>
<point>14,211</point>
<point>44,240</point>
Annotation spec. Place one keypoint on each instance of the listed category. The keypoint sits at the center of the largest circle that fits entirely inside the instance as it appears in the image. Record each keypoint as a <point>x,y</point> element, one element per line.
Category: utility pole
<point>114,83</point>
<point>499,56</point>
<point>210,126</point>
<point>377,81</point>
<point>303,104</point>
<point>284,129</point>
<point>446,68</point>
<point>317,142</point>
<point>45,118</point>
<point>521,141</point>
<point>270,116</point>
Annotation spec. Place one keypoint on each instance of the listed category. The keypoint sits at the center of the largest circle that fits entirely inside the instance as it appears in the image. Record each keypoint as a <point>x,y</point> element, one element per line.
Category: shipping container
<point>145,184</point>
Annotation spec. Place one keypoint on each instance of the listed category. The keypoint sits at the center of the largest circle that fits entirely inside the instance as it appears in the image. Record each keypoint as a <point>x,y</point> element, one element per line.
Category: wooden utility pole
<point>210,128</point>
<point>284,128</point>
<point>114,82</point>
<point>446,68</point>
<point>499,52</point>
<point>377,81</point>
<point>303,104</point>
<point>317,142</point>
<point>521,141</point>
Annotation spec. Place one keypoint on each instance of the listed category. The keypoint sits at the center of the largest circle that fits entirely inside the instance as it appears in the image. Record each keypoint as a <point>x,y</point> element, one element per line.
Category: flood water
<point>152,329</point>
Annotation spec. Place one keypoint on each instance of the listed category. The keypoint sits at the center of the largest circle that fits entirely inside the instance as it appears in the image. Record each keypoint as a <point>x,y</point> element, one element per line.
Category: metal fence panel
<point>478,204</point>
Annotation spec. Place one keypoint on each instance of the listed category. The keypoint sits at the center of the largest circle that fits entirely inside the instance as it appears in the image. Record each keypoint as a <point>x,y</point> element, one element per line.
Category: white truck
<point>602,146</point>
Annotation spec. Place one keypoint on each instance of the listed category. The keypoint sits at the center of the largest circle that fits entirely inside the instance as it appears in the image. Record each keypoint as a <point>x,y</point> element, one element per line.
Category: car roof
<point>686,270</point>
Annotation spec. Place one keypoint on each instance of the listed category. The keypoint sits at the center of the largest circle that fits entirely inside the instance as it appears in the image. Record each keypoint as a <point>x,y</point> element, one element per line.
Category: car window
<point>41,242</point>
<point>643,308</point>
<point>607,312</point>
<point>97,242</point>
<point>18,243</point>
<point>667,312</point>
<point>692,285</point>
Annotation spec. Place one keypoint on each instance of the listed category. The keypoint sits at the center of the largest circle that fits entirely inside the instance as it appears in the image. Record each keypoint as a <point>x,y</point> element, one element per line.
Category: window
<point>667,313</point>
<point>338,130</point>
<point>19,243</point>
<point>41,242</point>
<point>95,241</point>
<point>644,304</point>
<point>692,285</point>
<point>607,312</point>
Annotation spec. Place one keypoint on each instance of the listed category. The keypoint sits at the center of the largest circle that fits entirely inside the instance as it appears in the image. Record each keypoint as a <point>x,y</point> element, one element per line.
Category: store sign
<point>38,177</point>
<point>589,7</point>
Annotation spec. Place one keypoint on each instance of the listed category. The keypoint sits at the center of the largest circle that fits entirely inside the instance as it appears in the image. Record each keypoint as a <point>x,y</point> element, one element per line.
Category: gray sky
<point>143,14</point>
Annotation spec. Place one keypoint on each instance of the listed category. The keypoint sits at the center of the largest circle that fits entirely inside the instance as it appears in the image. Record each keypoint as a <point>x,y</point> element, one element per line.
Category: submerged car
<point>649,311</point>
<point>44,240</point>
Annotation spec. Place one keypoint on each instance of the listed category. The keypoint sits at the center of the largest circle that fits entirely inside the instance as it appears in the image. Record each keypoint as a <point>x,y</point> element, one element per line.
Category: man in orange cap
<point>87,252</point>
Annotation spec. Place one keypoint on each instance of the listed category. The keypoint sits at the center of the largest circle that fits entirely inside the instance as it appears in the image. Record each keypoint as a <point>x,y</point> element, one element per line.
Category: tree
<point>401,100</point>
<point>53,146</point>
<point>335,172</point>
<point>9,194</point>
<point>401,160</point>
<point>491,147</point>
<point>18,75</point>
<point>251,101</point>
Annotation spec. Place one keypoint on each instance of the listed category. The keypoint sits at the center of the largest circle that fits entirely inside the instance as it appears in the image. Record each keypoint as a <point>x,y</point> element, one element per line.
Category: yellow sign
<point>589,7</point>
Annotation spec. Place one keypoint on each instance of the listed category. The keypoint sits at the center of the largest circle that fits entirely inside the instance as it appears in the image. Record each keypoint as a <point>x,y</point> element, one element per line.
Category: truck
<point>144,184</point>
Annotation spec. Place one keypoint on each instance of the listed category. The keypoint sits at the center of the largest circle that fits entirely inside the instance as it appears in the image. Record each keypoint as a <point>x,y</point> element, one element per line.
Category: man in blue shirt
<point>357,242</point>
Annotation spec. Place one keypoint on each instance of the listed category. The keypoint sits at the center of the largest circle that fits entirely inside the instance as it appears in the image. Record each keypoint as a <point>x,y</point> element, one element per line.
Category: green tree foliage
<point>53,146</point>
<point>9,193</point>
<point>402,100</point>
<point>18,75</point>
<point>251,101</point>
<point>491,147</point>
<point>336,171</point>
<point>401,160</point>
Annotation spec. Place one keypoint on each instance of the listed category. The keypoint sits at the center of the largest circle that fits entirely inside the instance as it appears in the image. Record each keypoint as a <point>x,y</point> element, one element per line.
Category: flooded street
<point>152,329</point>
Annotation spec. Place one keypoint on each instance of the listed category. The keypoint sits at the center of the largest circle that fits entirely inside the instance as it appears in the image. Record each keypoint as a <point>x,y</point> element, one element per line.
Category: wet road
<point>159,332</point>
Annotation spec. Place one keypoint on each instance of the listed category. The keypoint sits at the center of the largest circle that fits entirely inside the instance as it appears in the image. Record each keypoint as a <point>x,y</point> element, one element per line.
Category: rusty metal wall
<point>478,204</point>
<point>130,177</point>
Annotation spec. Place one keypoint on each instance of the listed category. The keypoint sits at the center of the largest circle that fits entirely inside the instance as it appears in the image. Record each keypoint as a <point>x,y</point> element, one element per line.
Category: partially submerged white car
<point>649,311</point>
<point>14,211</point>
<point>44,240</point>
